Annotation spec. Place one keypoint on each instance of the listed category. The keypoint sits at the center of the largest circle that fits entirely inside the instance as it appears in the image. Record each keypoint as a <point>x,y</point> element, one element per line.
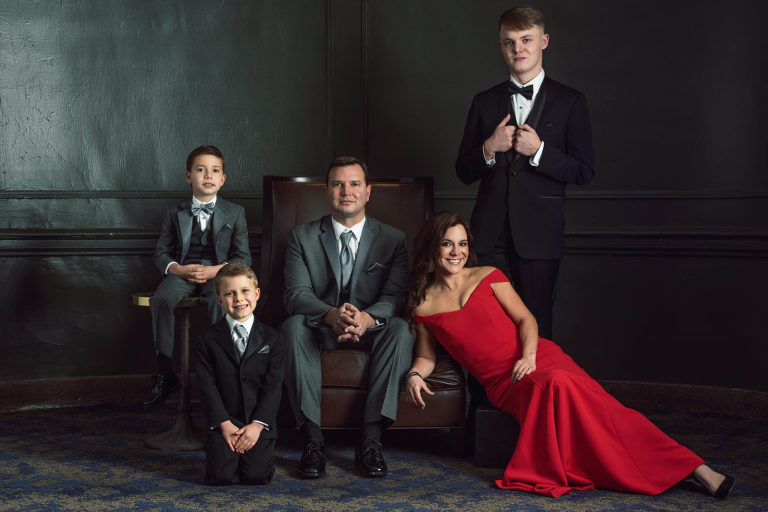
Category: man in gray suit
<point>346,282</point>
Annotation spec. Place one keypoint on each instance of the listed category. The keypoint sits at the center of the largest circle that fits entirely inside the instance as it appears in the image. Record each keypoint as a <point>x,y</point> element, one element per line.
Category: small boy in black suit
<point>239,364</point>
<point>199,235</point>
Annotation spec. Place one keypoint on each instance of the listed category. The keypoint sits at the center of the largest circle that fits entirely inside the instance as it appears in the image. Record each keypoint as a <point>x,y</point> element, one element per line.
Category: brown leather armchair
<point>401,202</point>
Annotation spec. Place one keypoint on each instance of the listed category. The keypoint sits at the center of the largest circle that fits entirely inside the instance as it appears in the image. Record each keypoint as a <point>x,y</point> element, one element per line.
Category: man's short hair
<point>522,17</point>
<point>204,150</point>
<point>234,269</point>
<point>343,161</point>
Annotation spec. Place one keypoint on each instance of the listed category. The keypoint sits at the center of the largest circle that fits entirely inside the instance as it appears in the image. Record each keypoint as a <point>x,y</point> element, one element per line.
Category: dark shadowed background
<point>666,269</point>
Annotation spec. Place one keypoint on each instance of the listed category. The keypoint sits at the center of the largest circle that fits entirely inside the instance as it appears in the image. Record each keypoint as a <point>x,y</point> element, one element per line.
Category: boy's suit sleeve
<point>272,383</point>
<point>470,164</point>
<point>574,163</point>
<point>167,245</point>
<point>210,398</point>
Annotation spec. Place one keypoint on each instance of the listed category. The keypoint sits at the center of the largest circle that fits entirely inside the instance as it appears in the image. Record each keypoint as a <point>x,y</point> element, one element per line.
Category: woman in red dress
<point>573,434</point>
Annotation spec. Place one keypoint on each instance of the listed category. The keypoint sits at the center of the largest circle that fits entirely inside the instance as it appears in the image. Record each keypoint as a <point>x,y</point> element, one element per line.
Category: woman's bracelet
<point>411,374</point>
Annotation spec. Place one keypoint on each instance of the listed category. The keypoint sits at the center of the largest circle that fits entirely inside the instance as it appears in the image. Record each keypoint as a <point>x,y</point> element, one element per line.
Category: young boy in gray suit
<point>199,235</point>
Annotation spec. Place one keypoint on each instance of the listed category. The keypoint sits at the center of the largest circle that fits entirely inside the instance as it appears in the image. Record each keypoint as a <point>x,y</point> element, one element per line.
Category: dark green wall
<point>100,102</point>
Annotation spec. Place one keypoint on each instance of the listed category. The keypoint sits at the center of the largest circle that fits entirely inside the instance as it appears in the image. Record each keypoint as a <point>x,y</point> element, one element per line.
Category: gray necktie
<point>347,262</point>
<point>242,339</point>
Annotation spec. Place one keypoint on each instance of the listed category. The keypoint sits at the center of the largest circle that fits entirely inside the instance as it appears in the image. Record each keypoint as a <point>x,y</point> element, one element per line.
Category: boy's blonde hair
<point>234,269</point>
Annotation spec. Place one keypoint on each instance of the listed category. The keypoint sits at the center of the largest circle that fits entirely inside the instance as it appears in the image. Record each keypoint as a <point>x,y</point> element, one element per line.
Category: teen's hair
<point>343,161</point>
<point>522,17</point>
<point>426,251</point>
<point>234,269</point>
<point>204,150</point>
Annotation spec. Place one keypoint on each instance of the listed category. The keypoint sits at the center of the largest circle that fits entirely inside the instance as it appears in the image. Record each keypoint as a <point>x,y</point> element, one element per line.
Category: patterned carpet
<point>93,459</point>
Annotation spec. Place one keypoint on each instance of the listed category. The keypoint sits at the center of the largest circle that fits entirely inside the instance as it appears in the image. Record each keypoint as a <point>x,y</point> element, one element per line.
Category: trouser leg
<point>221,463</point>
<point>257,465</point>
<point>208,299</point>
<point>162,303</point>
<point>391,351</point>
<point>303,376</point>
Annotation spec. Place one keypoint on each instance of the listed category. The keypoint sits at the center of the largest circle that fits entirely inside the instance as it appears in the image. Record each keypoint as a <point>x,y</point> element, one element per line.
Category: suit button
<point>514,174</point>
<point>243,378</point>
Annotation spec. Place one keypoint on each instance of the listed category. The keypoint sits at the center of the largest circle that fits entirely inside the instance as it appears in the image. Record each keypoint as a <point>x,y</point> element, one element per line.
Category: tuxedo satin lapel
<point>331,249</point>
<point>538,106</point>
<point>367,238</point>
<point>505,107</point>
<point>185,227</point>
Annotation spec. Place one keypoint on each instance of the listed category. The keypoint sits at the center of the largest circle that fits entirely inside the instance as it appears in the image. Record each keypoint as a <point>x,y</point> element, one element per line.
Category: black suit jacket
<point>533,198</point>
<point>230,234</point>
<point>244,390</point>
<point>379,281</point>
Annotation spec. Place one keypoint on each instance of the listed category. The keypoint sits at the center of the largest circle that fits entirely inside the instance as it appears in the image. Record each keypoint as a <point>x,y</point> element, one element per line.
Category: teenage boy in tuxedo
<point>239,364</point>
<point>199,235</point>
<point>525,139</point>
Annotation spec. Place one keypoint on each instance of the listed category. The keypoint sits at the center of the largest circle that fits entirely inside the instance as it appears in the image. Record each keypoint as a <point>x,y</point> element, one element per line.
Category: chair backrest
<point>404,203</point>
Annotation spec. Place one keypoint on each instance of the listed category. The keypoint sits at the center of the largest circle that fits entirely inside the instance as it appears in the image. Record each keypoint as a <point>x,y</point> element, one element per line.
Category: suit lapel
<point>534,116</point>
<point>255,341</point>
<point>219,218</point>
<point>185,227</point>
<point>328,240</point>
<point>224,339</point>
<point>367,237</point>
<point>505,107</point>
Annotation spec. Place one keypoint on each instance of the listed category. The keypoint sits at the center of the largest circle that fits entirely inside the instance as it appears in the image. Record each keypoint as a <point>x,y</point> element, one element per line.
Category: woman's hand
<point>524,366</point>
<point>415,386</point>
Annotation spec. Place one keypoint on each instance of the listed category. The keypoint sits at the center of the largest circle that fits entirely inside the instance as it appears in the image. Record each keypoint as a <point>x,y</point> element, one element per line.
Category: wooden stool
<point>183,435</point>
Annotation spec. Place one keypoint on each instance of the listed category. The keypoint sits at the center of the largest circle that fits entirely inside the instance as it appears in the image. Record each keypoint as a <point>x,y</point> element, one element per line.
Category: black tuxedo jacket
<point>379,281</point>
<point>230,233</point>
<point>240,390</point>
<point>532,198</point>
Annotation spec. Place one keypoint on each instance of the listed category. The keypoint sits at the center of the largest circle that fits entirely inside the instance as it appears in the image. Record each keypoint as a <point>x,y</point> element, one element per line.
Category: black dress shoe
<point>368,459</point>
<point>312,463</point>
<point>163,384</point>
<point>724,488</point>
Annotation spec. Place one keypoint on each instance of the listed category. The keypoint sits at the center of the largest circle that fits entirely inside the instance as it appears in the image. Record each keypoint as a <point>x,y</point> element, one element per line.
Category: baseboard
<point>132,389</point>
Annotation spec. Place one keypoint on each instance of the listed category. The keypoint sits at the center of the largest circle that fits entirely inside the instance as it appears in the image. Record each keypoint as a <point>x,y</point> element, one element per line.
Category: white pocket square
<point>264,350</point>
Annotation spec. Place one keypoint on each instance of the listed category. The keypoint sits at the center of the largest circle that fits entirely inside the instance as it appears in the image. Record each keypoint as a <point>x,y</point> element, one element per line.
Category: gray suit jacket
<point>230,234</point>
<point>379,281</point>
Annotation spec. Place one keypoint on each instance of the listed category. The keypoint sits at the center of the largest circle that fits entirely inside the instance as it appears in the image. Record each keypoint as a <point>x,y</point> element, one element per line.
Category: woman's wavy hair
<point>426,249</point>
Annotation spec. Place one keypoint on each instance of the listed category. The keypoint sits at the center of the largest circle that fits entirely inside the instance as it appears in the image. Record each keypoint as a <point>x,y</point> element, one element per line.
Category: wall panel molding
<point>669,242</point>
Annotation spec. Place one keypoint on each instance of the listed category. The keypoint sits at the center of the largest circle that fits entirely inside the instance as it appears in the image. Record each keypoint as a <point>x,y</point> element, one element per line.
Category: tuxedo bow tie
<point>207,208</point>
<point>526,91</point>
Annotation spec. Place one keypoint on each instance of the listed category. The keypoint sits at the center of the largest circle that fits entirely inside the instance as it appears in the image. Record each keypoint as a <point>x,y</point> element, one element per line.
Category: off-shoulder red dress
<point>573,434</point>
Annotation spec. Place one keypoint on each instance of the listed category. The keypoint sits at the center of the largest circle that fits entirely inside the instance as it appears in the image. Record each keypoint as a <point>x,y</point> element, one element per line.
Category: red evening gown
<point>573,434</point>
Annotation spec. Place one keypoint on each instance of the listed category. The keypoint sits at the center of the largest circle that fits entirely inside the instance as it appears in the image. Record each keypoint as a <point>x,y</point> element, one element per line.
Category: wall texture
<point>100,102</point>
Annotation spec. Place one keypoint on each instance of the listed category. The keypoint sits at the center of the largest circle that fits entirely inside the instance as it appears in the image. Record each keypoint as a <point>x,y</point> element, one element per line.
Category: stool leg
<point>183,435</point>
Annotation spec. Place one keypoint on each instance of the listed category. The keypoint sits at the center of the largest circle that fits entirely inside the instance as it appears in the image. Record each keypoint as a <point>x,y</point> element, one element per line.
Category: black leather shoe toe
<point>369,461</point>
<point>312,463</point>
<point>163,384</point>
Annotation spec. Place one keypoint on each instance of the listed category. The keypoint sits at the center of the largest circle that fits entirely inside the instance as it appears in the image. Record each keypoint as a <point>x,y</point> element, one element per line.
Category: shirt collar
<point>535,82</point>
<point>232,323</point>
<point>339,228</point>
<point>197,202</point>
